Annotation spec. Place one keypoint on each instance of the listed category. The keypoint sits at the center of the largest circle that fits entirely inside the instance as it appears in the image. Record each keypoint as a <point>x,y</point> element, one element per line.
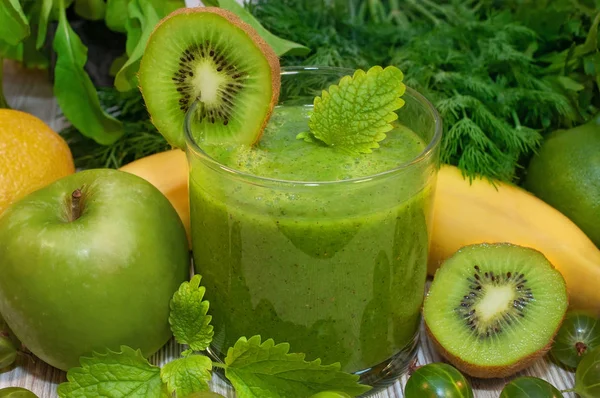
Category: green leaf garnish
<point>189,320</point>
<point>267,370</point>
<point>114,374</point>
<point>355,114</point>
<point>187,375</point>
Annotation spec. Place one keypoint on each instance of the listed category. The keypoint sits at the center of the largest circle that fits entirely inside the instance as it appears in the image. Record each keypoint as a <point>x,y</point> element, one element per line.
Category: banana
<point>465,212</point>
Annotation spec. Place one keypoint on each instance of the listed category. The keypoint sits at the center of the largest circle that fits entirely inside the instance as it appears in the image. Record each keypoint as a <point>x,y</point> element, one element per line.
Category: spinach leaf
<point>46,7</point>
<point>13,23</point>
<point>116,15</point>
<point>93,10</point>
<point>73,87</point>
<point>279,45</point>
<point>142,13</point>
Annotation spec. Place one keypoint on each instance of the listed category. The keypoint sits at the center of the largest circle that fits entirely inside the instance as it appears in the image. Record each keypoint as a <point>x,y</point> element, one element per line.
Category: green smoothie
<point>336,269</point>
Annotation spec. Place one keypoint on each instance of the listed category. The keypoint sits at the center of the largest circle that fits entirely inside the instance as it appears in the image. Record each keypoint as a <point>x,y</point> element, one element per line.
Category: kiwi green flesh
<point>491,305</point>
<point>202,56</point>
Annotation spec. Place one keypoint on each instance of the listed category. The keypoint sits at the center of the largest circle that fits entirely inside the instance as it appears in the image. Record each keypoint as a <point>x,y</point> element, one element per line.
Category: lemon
<point>566,174</point>
<point>32,156</point>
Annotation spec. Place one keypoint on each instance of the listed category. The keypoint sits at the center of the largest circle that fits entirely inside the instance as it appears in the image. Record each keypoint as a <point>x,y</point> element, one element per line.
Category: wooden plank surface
<point>31,91</point>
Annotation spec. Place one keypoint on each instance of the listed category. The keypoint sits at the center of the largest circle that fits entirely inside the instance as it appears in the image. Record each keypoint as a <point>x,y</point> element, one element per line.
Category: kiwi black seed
<point>492,309</point>
<point>207,58</point>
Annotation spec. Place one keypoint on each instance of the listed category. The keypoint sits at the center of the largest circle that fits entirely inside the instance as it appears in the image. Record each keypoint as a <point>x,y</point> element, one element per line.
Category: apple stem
<point>75,204</point>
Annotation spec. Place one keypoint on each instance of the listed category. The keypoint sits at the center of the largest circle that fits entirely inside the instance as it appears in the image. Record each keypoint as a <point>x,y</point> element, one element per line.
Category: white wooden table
<point>30,91</point>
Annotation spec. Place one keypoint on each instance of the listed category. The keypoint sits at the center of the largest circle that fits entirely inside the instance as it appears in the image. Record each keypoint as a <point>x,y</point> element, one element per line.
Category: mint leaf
<point>355,114</point>
<point>115,375</point>
<point>187,375</point>
<point>267,370</point>
<point>189,320</point>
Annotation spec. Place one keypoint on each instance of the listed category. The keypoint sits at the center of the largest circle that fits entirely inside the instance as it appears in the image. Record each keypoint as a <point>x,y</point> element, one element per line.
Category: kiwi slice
<point>492,309</point>
<point>211,56</point>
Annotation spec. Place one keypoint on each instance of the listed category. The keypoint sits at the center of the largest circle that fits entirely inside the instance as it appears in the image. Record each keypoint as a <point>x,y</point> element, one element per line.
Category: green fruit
<point>579,334</point>
<point>530,387</point>
<point>16,392</point>
<point>437,380</point>
<point>587,375</point>
<point>8,352</point>
<point>493,309</point>
<point>90,262</point>
<point>565,173</point>
<point>211,56</point>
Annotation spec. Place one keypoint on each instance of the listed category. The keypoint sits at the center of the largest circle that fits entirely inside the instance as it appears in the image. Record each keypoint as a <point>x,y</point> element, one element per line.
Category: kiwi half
<point>211,56</point>
<point>493,309</point>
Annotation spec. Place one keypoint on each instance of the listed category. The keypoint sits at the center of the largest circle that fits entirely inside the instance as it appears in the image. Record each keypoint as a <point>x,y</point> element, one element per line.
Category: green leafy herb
<point>93,10</point>
<point>187,375</point>
<point>114,374</point>
<point>42,28</point>
<point>279,45</point>
<point>74,90</point>
<point>189,320</point>
<point>13,23</point>
<point>355,114</point>
<point>267,370</point>
<point>116,15</point>
<point>147,18</point>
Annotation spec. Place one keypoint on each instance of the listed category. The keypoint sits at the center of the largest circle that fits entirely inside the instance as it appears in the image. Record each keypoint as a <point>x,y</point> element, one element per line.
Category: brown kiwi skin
<point>491,372</point>
<point>258,40</point>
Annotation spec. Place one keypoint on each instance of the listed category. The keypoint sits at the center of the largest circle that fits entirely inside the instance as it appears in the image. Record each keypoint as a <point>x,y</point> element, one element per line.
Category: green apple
<point>90,263</point>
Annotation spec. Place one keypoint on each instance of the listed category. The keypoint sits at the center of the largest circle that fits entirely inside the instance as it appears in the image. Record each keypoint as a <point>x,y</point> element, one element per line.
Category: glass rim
<point>291,70</point>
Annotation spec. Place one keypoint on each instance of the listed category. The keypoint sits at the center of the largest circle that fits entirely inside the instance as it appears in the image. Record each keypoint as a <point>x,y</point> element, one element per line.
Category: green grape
<point>331,394</point>
<point>437,380</point>
<point>16,392</point>
<point>578,334</point>
<point>8,352</point>
<point>530,387</point>
<point>587,376</point>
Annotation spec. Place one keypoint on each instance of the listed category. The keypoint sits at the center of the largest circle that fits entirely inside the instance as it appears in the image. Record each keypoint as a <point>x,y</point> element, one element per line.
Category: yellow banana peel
<point>465,212</point>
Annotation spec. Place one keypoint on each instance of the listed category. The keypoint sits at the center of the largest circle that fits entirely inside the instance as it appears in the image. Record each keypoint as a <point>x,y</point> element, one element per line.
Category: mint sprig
<point>355,114</point>
<point>255,368</point>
